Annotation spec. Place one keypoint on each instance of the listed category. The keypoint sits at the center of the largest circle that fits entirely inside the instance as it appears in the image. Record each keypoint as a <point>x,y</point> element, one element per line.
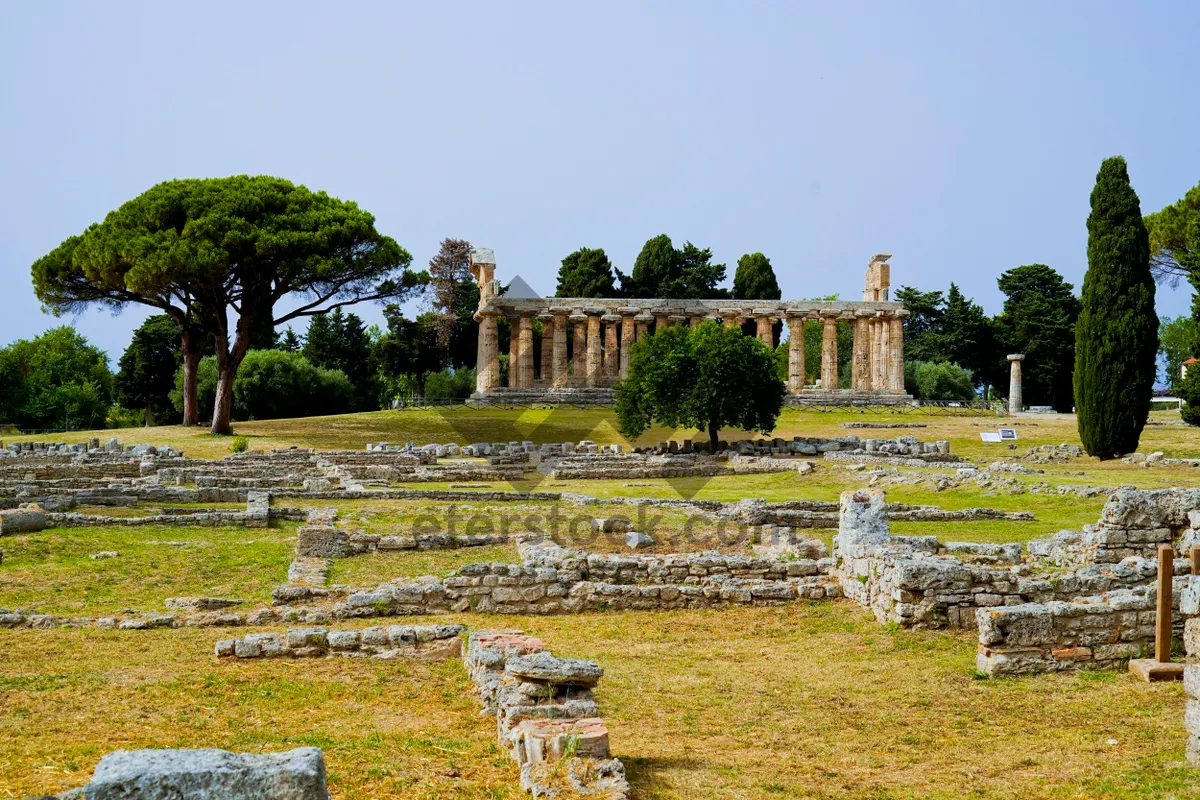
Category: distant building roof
<point>1190,361</point>
<point>521,290</point>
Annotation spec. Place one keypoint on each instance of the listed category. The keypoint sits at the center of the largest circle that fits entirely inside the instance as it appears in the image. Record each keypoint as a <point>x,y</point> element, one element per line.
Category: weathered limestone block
<point>863,522</point>
<point>543,740</point>
<point>559,671</point>
<point>576,777</point>
<point>323,542</point>
<point>22,520</point>
<point>200,774</point>
<point>258,509</point>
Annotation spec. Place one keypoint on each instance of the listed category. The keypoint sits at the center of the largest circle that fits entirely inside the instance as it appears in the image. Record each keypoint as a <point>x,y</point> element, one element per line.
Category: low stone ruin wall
<point>424,642</point>
<point>1189,606</point>
<point>547,718</point>
<point>554,580</point>
<point>1097,632</point>
<point>1134,522</point>
<point>918,581</point>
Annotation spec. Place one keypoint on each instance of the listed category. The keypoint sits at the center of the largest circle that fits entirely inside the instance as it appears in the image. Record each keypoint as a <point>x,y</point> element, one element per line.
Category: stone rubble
<point>547,718</point>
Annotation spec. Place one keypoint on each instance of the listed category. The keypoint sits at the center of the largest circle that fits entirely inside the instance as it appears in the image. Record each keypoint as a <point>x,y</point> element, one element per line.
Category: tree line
<point>232,263</point>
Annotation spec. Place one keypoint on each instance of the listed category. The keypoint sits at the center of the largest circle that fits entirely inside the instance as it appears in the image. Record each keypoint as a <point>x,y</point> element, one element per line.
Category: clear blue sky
<point>962,137</point>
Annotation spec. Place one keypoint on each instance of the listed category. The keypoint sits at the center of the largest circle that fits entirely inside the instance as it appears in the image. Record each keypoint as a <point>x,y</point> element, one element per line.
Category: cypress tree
<point>755,279</point>
<point>1116,337</point>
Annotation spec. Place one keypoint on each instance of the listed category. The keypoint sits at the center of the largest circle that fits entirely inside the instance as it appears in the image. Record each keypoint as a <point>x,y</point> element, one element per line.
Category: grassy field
<point>814,701</point>
<point>800,701</point>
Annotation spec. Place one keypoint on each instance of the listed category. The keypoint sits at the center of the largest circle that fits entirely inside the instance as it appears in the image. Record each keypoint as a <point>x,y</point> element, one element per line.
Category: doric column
<point>885,349</point>
<point>487,362</point>
<point>627,332</point>
<point>1016,403</point>
<point>829,353</point>
<point>795,354</point>
<point>547,365</point>
<point>860,360</point>
<point>873,354</point>
<point>579,364</point>
<point>558,351</point>
<point>694,320</point>
<point>662,321</point>
<point>612,361</point>
<point>594,363</point>
<point>514,354</point>
<point>732,317</point>
<point>526,370</point>
<point>643,325</point>
<point>896,355</point>
<point>763,325</point>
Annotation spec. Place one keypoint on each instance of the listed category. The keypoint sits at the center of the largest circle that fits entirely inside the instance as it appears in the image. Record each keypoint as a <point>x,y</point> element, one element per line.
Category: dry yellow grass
<point>799,701</point>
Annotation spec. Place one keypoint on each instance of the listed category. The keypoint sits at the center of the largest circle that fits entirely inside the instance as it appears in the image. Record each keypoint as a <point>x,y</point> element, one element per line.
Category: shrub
<point>938,380</point>
<point>240,444</point>
<point>273,384</point>
<point>1189,392</point>
<point>450,385</point>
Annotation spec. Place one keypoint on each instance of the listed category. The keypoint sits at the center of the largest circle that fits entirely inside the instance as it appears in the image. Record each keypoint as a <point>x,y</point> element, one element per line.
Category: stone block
<point>200,774</point>
<point>22,520</point>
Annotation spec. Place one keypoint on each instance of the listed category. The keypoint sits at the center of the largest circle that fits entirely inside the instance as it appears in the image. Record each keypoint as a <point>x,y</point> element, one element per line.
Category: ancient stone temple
<point>586,342</point>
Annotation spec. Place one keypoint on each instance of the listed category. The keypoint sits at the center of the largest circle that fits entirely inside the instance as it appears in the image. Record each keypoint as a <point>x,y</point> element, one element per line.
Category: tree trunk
<point>223,406</point>
<point>149,416</point>
<point>228,361</point>
<point>192,345</point>
<point>713,430</point>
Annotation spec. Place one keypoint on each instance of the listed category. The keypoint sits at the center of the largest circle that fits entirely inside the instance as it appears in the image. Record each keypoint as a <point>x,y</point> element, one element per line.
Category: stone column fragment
<point>1016,403</point>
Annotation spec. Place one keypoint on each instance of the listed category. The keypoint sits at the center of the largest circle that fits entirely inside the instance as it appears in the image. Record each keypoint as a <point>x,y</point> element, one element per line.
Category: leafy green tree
<point>922,324</point>
<point>929,380</point>
<point>56,380</point>
<point>586,273</point>
<point>408,349</point>
<point>275,384</point>
<point>203,249</point>
<point>707,377</point>
<point>755,279</point>
<point>1174,234</point>
<point>1177,342</point>
<point>1116,337</point>
<point>662,271</point>
<point>1038,320</point>
<point>340,341</point>
<point>146,371</point>
<point>1189,392</point>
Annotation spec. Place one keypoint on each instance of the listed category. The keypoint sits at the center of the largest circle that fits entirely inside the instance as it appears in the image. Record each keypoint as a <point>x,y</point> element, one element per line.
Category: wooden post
<point>1160,667</point>
<point>1196,560</point>
<point>1162,636</point>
